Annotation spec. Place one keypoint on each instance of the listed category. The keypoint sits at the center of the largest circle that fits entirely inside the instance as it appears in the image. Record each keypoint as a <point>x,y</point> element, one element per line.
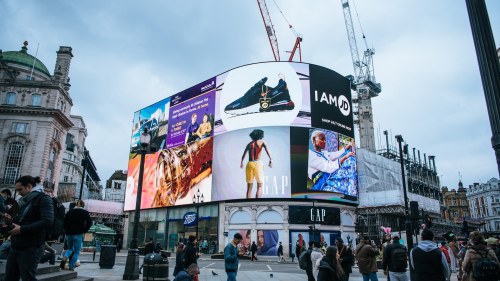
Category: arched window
<point>11,98</point>
<point>13,162</point>
<point>36,100</point>
<point>269,216</point>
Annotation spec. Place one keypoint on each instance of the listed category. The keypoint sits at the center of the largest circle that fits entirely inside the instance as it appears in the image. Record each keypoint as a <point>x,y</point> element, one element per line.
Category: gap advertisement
<point>240,135</point>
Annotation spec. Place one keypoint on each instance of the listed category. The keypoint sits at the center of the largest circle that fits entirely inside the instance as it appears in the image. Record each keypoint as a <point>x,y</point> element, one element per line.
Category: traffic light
<point>414,213</point>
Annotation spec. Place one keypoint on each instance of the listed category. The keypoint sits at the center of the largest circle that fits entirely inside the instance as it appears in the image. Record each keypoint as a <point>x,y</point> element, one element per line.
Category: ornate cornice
<point>37,111</point>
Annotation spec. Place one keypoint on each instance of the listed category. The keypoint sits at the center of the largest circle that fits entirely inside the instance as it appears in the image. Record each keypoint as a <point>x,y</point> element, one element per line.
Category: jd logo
<point>341,102</point>
<point>344,106</point>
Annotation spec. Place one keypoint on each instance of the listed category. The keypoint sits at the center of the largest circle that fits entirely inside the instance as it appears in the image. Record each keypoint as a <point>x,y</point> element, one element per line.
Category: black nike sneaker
<point>251,97</point>
<point>277,100</point>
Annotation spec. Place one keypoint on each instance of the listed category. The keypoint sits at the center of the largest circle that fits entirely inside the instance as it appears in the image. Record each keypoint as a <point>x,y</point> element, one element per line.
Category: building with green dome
<point>39,135</point>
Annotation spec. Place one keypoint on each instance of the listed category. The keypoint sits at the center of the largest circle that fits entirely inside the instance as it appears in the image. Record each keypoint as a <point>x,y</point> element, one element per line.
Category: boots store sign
<point>239,134</point>
<point>314,215</point>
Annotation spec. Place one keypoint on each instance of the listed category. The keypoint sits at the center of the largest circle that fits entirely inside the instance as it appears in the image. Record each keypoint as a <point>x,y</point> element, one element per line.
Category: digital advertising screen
<point>264,130</point>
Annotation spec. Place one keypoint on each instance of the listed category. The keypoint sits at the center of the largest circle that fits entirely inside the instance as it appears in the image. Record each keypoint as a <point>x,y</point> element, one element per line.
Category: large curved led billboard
<point>265,130</point>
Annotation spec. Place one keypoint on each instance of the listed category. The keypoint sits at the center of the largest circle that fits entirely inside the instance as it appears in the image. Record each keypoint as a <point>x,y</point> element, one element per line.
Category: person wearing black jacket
<point>395,263</point>
<point>179,254</point>
<point>253,249</point>
<point>346,257</point>
<point>190,255</point>
<point>28,232</point>
<point>76,222</point>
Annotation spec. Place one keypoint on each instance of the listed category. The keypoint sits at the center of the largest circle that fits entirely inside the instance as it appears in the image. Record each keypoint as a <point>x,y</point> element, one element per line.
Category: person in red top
<point>255,167</point>
<point>444,249</point>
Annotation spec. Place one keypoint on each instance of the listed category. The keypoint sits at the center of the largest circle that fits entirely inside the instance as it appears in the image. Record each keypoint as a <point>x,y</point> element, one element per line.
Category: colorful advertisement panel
<point>252,163</point>
<point>267,241</point>
<point>328,159</point>
<point>300,240</point>
<point>201,135</point>
<point>192,114</point>
<point>154,118</point>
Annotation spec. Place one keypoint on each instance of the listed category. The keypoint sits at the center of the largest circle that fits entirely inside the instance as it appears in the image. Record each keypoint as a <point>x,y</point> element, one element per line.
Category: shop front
<point>270,223</point>
<point>169,226</point>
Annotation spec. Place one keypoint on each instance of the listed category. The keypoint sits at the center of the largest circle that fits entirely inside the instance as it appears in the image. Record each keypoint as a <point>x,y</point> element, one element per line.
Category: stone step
<point>82,278</point>
<point>47,268</point>
<point>62,275</point>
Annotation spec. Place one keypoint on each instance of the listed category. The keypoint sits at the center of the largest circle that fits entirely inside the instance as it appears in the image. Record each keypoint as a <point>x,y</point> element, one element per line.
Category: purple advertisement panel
<point>192,114</point>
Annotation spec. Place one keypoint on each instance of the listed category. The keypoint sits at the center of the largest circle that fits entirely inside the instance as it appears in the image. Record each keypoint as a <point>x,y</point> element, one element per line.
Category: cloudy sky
<point>129,54</point>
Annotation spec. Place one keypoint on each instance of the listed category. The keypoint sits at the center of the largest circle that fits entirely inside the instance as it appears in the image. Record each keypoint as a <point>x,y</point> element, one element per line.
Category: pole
<point>197,216</point>
<point>409,233</point>
<point>132,264</point>
<point>489,66</point>
<point>84,164</point>
<point>314,222</point>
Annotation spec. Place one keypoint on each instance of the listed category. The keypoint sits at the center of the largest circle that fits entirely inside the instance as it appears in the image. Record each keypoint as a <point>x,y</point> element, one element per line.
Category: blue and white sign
<point>190,219</point>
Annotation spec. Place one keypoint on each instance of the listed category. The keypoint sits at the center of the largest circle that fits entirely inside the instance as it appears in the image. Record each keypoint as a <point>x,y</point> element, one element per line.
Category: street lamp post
<point>84,164</point>
<point>132,264</point>
<point>409,234</point>
<point>197,199</point>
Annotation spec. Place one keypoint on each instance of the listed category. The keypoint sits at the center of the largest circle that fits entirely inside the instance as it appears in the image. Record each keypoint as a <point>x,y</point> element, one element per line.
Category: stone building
<point>484,202</point>
<point>39,135</point>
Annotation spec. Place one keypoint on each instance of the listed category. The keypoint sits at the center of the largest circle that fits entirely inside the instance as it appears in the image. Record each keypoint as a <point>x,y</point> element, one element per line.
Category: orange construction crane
<point>271,34</point>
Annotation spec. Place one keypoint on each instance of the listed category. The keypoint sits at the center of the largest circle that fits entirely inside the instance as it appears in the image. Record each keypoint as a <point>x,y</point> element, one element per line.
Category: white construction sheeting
<point>380,183</point>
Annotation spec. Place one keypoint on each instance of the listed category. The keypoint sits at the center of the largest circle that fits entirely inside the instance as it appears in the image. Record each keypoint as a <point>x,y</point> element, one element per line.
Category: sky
<point>129,55</point>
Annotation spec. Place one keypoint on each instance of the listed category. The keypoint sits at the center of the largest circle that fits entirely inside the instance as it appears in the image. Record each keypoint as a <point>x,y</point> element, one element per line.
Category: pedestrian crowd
<point>31,224</point>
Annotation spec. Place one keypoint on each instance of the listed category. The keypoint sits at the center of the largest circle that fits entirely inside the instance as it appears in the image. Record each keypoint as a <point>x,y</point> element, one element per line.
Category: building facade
<point>456,206</point>
<point>35,116</point>
<point>115,187</point>
<point>484,203</point>
<point>39,135</point>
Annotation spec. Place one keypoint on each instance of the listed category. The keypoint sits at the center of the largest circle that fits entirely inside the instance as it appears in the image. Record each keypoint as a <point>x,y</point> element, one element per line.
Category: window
<point>13,162</point>
<point>118,185</point>
<point>36,100</point>
<point>65,178</point>
<point>19,128</point>
<point>11,98</point>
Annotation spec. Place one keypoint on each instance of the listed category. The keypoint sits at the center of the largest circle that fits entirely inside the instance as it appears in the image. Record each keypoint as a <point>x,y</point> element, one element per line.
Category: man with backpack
<point>480,263</point>
<point>28,231</point>
<point>305,262</point>
<point>427,261</point>
<point>76,222</point>
<point>395,260</point>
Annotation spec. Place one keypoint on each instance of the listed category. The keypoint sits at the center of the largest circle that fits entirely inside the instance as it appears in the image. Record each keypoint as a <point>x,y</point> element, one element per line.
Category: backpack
<point>305,262</point>
<point>486,269</point>
<point>56,229</point>
<point>399,259</point>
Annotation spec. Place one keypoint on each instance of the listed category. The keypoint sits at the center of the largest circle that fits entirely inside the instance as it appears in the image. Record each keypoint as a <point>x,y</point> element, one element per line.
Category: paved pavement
<point>249,271</point>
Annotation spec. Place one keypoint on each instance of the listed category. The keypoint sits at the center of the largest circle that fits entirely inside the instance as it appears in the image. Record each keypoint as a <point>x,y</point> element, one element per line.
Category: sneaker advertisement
<point>256,95</point>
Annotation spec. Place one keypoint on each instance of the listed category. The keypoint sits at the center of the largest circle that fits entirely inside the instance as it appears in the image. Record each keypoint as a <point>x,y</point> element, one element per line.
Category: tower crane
<point>363,83</point>
<point>271,34</point>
